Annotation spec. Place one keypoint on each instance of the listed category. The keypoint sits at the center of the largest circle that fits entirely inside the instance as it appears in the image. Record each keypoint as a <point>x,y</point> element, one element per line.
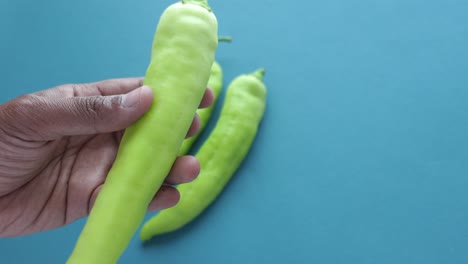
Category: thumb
<point>48,118</point>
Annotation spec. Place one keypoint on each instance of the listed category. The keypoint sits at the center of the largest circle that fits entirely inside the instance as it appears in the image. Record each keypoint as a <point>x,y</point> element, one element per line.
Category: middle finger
<point>185,169</point>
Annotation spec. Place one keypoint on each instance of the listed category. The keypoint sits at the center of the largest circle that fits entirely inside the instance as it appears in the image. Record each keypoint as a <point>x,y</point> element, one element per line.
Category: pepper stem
<point>203,3</point>
<point>259,74</point>
<point>225,39</point>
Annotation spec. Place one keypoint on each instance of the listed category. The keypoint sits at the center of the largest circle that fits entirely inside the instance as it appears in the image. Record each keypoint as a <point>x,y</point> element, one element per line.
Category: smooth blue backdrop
<point>362,156</point>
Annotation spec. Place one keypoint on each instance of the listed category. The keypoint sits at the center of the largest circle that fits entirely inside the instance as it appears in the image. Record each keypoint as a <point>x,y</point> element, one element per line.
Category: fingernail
<point>132,98</point>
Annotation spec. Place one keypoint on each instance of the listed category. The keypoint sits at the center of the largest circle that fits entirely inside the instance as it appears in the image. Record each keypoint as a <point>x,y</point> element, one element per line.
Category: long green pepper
<point>183,52</point>
<point>219,156</point>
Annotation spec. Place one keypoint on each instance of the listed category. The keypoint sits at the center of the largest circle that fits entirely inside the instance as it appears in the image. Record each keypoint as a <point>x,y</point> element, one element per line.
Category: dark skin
<point>58,145</point>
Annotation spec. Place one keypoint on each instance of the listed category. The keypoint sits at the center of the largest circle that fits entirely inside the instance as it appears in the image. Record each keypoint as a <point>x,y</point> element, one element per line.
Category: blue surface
<point>362,156</point>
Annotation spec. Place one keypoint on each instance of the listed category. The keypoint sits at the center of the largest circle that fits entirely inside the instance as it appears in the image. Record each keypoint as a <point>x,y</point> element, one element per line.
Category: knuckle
<point>22,115</point>
<point>79,89</point>
<point>103,104</point>
<point>91,106</point>
<point>27,100</point>
<point>84,109</point>
<point>20,106</point>
<point>115,101</point>
<point>97,109</point>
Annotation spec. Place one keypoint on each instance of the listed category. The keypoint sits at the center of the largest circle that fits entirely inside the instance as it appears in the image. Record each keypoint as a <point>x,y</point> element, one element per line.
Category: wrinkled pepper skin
<point>219,156</point>
<point>183,52</point>
<point>215,83</point>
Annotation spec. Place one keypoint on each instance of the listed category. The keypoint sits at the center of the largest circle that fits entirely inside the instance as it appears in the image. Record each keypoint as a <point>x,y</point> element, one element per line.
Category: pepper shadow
<point>202,221</point>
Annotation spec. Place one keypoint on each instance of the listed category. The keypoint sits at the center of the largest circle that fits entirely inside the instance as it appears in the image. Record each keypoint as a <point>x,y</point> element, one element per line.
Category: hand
<point>57,146</point>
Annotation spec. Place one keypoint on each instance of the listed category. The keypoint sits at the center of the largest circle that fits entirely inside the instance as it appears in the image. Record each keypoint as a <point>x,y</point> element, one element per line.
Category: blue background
<point>362,156</point>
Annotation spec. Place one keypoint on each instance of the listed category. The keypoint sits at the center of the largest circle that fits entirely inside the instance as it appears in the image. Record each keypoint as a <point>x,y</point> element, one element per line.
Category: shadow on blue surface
<point>180,233</point>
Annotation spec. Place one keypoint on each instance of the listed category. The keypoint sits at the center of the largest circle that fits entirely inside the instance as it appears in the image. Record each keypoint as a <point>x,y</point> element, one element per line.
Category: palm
<point>57,185</point>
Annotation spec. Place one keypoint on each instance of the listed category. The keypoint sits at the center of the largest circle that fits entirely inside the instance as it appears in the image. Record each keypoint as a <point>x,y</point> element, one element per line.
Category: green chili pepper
<point>183,52</point>
<point>216,84</point>
<point>219,156</point>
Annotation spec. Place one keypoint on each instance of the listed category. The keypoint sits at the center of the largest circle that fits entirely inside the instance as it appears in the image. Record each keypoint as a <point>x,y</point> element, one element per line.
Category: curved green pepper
<point>183,52</point>
<point>219,156</point>
<point>215,83</point>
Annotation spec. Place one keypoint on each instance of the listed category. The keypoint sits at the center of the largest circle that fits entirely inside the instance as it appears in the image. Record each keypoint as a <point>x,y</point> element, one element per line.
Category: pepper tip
<point>259,73</point>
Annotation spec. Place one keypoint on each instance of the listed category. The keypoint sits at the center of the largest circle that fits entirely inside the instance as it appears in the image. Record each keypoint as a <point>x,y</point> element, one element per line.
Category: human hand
<point>57,146</point>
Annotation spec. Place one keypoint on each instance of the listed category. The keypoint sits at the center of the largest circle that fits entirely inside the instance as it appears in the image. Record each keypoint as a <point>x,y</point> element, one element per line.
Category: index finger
<point>100,88</point>
<point>108,87</point>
